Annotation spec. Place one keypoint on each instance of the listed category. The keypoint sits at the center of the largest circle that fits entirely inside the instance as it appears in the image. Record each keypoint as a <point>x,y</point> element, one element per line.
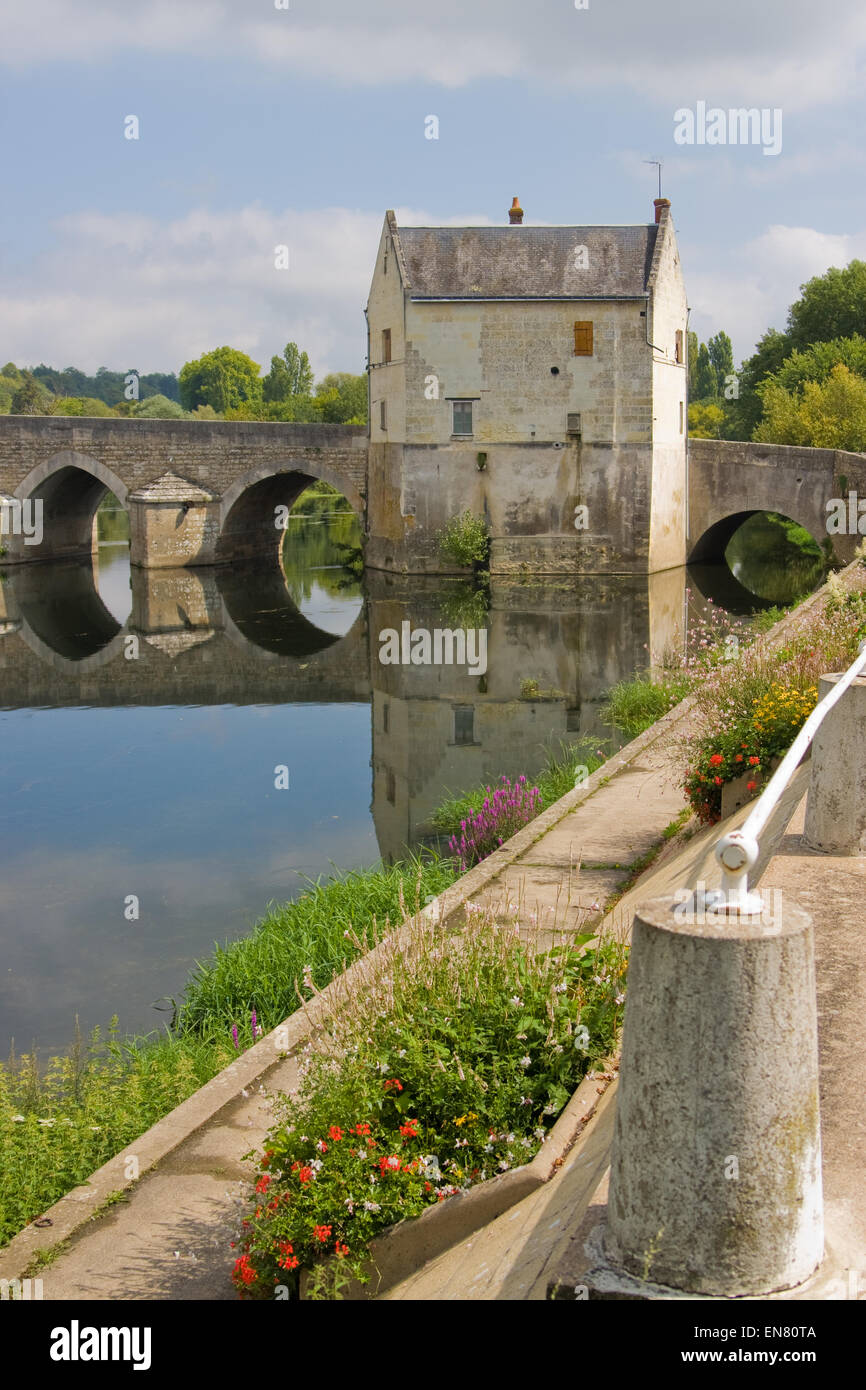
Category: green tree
<point>290,375</point>
<point>706,420</point>
<point>822,415</point>
<point>342,399</point>
<point>722,358</point>
<point>225,379</point>
<point>693,346</point>
<point>159,408</point>
<point>30,398</point>
<point>82,405</point>
<point>832,305</point>
<point>707,383</point>
<point>816,363</point>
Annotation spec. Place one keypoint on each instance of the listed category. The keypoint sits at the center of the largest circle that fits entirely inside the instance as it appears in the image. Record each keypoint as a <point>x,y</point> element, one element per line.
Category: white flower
<point>581,1038</point>
<point>560,988</point>
<point>526,1061</point>
<point>372,1206</point>
<point>488,1148</point>
<point>17,1119</point>
<point>527,1143</point>
<point>393,1163</point>
<point>521,1037</point>
<point>373,1178</point>
<point>362,1153</point>
<point>620,999</point>
<point>509,1138</point>
<point>502,1165</point>
<point>525,1100</point>
<point>315,1164</point>
<point>516,1000</point>
<point>539,1133</point>
<point>321,1146</point>
<point>51,1122</point>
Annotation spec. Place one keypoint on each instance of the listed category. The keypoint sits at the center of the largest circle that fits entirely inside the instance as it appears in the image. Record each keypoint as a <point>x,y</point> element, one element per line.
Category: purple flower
<point>235,1034</point>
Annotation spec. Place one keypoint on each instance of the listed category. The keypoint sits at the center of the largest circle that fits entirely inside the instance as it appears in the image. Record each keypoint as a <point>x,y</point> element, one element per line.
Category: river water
<point>182,747</point>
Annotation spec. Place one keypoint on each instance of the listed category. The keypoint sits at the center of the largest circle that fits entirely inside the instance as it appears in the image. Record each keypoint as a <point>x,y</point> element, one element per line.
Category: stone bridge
<point>197,492</point>
<point>730,481</point>
<point>207,493</point>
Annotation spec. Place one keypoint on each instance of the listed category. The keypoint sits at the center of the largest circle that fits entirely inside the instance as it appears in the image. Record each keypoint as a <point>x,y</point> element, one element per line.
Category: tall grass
<point>306,937</point>
<point>555,779</point>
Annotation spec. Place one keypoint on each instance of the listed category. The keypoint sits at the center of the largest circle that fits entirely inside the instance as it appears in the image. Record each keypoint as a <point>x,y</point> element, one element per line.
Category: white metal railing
<point>737,851</point>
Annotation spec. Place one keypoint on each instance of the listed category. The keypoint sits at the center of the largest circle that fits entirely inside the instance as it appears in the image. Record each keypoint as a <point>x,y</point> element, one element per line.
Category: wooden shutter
<point>386,345</point>
<point>583,339</point>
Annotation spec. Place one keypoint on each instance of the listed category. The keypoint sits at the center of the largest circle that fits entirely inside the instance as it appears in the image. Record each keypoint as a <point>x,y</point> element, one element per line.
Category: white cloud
<point>125,290</point>
<point>750,289</point>
<point>780,52</point>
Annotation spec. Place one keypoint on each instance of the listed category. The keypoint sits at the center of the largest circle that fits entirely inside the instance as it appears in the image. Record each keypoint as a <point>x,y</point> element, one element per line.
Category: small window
<point>464,724</point>
<point>386,345</point>
<point>461,417</point>
<point>386,711</point>
<point>678,350</point>
<point>583,339</point>
<point>390,786</point>
<point>383,415</point>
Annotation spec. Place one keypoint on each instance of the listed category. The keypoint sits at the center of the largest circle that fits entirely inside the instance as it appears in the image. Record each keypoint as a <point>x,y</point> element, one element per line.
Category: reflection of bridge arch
<point>258,611</point>
<point>70,486</point>
<point>248,506</point>
<point>63,618</point>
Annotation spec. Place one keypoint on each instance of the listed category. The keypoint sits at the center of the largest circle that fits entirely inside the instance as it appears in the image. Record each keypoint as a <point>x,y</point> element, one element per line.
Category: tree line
<point>224,384</point>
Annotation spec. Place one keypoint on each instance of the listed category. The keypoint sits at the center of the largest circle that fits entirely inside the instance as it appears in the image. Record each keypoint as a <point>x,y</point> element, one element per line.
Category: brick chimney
<point>659,204</point>
<point>515,213</point>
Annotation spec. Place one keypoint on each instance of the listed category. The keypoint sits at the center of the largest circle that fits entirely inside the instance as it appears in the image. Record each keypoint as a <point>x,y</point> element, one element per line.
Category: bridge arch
<point>248,507</point>
<point>70,485</point>
<point>709,548</point>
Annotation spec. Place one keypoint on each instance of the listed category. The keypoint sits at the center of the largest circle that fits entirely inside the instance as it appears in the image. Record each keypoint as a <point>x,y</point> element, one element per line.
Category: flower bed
<point>750,709</point>
<point>451,1069</point>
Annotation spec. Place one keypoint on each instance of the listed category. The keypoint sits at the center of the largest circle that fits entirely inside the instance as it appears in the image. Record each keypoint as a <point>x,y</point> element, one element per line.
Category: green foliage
<point>262,970</point>
<point>82,405</point>
<point>556,778</point>
<point>341,399</point>
<point>106,386</point>
<point>30,398</point>
<point>829,414</point>
<point>447,1070</point>
<point>465,540</point>
<point>225,379</point>
<point>707,383</point>
<point>706,420</point>
<point>161,408</point>
<point>290,375</point>
<point>634,705</point>
<point>60,1122</point>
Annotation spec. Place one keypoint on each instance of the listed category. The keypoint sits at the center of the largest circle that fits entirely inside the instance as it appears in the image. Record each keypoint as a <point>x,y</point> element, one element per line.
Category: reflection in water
<point>156,775</point>
<point>775,559</point>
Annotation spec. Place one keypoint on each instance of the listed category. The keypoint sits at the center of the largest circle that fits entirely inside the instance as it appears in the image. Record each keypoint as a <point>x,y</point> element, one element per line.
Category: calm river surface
<point>145,716</point>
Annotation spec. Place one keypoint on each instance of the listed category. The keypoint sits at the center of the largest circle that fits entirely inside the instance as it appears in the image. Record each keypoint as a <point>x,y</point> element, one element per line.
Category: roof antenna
<point>658,164</point>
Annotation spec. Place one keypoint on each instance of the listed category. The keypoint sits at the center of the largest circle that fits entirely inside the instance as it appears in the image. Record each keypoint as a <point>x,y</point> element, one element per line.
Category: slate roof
<point>526,262</point>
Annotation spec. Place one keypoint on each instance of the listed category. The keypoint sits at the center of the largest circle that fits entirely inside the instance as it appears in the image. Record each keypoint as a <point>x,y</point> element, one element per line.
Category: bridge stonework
<point>198,492</point>
<point>202,493</point>
<point>729,480</point>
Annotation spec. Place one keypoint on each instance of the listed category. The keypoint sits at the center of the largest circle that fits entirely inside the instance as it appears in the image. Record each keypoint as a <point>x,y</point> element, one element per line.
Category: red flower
<point>341,1250</point>
<point>289,1259</point>
<point>393,1085</point>
<point>361,1129</point>
<point>244,1271</point>
<point>751,786</point>
<point>753,760</point>
<point>304,1174</point>
<point>738,758</point>
<point>262,1184</point>
<point>266,1160</point>
<point>716,759</point>
<point>409,1130</point>
<point>321,1233</point>
<point>389,1165</point>
<point>335,1133</point>
<point>718,781</point>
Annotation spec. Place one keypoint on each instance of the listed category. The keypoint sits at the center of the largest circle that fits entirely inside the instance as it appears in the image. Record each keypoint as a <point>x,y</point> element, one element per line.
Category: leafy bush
<point>465,540</point>
<point>447,1070</point>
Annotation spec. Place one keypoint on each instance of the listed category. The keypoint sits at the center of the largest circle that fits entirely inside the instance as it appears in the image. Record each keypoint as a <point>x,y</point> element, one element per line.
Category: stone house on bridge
<point>537,376</point>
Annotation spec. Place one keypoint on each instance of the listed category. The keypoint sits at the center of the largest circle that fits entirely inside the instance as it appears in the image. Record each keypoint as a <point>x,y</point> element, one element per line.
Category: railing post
<point>836,808</point>
<point>715,1183</point>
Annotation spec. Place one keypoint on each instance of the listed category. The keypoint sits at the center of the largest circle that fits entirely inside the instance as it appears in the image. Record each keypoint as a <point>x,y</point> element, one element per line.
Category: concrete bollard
<point>836,808</point>
<point>715,1183</point>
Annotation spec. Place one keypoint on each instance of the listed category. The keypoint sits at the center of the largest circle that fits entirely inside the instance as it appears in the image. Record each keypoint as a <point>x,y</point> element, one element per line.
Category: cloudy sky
<point>299,125</point>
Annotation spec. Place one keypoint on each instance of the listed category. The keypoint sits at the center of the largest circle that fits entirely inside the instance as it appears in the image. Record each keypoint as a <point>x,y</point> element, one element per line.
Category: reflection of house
<point>523,373</point>
<point>437,730</point>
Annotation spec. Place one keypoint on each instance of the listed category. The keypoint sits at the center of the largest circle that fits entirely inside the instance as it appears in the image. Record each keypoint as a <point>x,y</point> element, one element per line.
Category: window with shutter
<point>583,339</point>
<point>386,345</point>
